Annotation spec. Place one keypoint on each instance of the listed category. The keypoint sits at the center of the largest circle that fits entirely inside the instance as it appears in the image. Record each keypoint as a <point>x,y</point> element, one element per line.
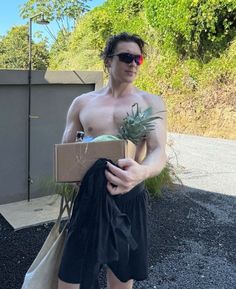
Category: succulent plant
<point>137,125</point>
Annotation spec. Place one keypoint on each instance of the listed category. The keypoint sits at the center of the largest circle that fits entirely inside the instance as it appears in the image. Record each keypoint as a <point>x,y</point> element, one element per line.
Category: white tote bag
<point>43,273</point>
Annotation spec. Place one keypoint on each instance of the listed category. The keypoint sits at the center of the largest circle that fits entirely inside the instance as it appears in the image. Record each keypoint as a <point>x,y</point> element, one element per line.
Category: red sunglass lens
<point>140,60</point>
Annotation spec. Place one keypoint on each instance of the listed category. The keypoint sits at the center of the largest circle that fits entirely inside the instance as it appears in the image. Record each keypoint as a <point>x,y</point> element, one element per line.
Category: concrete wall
<point>52,93</point>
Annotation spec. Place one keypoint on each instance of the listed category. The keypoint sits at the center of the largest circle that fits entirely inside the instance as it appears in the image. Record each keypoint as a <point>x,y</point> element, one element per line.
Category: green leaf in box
<point>137,125</point>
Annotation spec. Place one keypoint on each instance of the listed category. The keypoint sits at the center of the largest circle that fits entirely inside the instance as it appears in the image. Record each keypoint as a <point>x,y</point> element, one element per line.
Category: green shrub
<point>165,179</point>
<point>195,28</point>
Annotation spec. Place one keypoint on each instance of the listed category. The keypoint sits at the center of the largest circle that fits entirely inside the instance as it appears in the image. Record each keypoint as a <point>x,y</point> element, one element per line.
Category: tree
<point>65,12</point>
<point>14,50</point>
<point>199,28</point>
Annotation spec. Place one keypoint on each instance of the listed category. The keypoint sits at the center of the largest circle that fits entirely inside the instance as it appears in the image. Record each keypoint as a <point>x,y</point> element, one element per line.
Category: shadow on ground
<point>192,236</point>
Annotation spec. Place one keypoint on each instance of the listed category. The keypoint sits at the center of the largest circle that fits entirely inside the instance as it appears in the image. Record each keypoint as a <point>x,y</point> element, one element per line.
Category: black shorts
<point>134,204</point>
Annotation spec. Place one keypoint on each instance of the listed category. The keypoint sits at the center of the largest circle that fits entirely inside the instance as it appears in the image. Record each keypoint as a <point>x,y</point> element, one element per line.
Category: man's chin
<point>129,80</point>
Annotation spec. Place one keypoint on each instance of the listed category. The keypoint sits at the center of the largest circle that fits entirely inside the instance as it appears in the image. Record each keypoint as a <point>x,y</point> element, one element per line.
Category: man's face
<point>119,70</point>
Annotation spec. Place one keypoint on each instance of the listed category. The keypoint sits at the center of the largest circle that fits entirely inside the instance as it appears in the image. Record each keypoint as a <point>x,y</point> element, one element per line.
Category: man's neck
<point>118,90</point>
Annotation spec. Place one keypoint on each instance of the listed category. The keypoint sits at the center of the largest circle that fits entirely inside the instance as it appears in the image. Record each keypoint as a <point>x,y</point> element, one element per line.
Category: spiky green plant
<point>166,178</point>
<point>68,190</point>
<point>137,125</point>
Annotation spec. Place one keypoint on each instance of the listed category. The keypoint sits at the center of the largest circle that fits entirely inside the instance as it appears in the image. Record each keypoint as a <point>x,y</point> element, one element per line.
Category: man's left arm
<point>130,173</point>
<point>156,157</point>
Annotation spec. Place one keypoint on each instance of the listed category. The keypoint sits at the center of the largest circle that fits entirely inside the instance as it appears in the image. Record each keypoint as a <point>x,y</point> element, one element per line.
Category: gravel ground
<point>192,243</point>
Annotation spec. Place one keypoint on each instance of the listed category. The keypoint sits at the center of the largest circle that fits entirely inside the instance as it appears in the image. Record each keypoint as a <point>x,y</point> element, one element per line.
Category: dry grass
<point>210,111</point>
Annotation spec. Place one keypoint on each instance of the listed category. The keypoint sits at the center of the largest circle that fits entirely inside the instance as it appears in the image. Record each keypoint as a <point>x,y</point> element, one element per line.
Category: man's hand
<point>125,177</point>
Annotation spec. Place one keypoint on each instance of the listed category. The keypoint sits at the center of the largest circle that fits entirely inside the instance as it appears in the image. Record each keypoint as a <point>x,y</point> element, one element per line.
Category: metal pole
<point>29,105</point>
<point>43,21</point>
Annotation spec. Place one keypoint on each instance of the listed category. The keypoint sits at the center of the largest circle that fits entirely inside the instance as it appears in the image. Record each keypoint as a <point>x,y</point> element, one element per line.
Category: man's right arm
<point>73,123</point>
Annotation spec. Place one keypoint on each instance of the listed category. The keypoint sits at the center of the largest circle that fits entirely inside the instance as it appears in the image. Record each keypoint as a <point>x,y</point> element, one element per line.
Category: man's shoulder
<point>156,101</point>
<point>84,98</point>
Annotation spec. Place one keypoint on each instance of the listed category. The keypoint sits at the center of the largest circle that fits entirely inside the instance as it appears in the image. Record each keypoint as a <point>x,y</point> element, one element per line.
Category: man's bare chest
<point>101,117</point>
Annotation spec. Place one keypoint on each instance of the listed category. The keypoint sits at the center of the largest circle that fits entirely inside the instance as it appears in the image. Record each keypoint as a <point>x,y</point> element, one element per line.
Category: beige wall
<point>52,93</point>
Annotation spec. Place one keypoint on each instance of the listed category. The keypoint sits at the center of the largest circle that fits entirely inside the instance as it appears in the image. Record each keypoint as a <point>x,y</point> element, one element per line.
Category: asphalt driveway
<point>192,241</point>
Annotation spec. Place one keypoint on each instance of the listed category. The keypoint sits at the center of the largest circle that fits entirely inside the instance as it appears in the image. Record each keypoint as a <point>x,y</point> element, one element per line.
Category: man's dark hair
<point>115,39</point>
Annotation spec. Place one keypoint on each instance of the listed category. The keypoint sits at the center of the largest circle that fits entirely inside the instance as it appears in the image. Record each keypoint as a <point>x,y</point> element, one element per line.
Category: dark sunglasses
<point>129,58</point>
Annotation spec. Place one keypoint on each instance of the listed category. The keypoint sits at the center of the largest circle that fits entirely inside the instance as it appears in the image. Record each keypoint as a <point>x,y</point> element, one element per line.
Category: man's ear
<point>108,63</point>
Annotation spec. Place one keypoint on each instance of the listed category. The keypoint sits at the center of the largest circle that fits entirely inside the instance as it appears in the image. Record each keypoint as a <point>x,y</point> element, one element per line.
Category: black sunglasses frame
<point>129,58</point>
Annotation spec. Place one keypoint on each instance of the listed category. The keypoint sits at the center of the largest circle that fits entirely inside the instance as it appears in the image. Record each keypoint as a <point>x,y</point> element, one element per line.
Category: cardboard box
<point>72,160</point>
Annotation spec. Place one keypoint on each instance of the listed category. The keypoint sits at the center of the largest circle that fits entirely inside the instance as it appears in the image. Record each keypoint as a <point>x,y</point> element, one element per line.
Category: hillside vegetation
<point>190,58</point>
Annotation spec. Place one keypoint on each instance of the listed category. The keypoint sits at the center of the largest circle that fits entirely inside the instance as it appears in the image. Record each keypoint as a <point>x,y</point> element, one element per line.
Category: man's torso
<point>101,114</point>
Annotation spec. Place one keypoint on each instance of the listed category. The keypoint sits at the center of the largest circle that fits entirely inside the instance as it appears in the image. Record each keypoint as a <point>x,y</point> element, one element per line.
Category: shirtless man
<point>101,112</point>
